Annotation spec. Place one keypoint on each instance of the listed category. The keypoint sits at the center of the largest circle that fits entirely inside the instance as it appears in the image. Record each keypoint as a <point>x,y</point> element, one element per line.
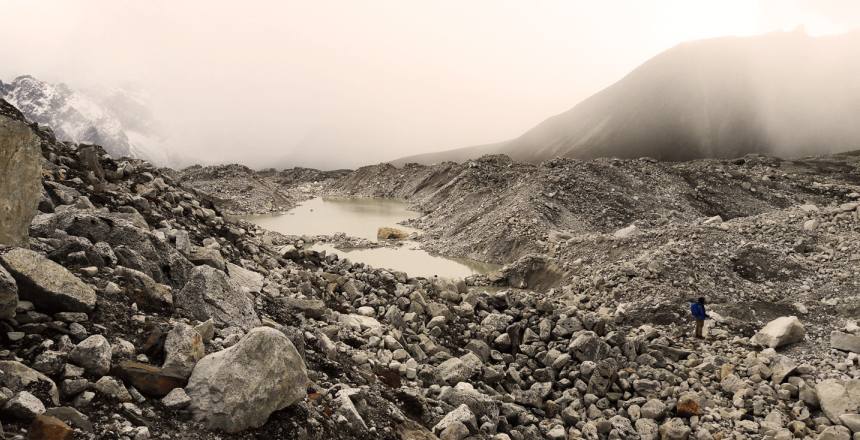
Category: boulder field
<point>134,309</point>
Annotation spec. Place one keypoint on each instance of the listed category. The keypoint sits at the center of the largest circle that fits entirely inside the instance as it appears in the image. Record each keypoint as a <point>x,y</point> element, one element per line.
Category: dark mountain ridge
<point>783,93</point>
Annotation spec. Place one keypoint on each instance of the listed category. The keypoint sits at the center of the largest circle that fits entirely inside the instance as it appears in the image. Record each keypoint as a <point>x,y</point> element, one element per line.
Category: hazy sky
<point>340,83</point>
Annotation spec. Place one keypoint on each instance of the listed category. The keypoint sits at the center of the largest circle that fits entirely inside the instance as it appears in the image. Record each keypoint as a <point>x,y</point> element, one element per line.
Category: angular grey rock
<point>674,429</point>
<point>8,294</point>
<point>19,377</point>
<point>834,433</point>
<point>480,348</point>
<point>183,242</point>
<point>535,396</point>
<point>461,414</point>
<point>71,416</point>
<point>248,279</point>
<point>837,398</point>
<point>845,342</point>
<point>206,330</point>
<point>459,369</point>
<point>83,400</point>
<point>454,431</point>
<point>348,411</point>
<point>359,322</point>
<point>588,347</point>
<point>238,388</point>
<point>781,331</point>
<point>647,429</point>
<point>731,383</point>
<point>21,185</point>
<point>113,389</point>
<point>852,421</point>
<point>781,367</point>
<point>312,308</point>
<point>465,394</point>
<point>23,406</point>
<point>94,354</point>
<point>149,295</point>
<point>48,285</point>
<point>209,293</point>
<point>122,349</point>
<point>602,377</point>
<point>626,232</point>
<point>183,347</point>
<point>50,362</point>
<point>653,409</point>
<point>177,398</point>
<point>208,256</point>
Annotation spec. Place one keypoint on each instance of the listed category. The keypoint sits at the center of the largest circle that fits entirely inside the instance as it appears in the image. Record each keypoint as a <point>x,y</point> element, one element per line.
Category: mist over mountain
<point>783,93</point>
<point>118,119</point>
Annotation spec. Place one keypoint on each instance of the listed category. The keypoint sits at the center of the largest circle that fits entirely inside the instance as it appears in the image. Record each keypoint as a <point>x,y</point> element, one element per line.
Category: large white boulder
<point>238,388</point>
<point>781,331</point>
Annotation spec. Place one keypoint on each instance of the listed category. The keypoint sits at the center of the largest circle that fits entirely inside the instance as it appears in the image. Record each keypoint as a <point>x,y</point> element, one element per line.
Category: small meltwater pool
<point>362,217</point>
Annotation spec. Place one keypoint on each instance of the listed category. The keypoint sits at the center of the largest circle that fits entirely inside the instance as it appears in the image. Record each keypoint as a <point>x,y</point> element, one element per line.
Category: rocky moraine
<point>132,308</point>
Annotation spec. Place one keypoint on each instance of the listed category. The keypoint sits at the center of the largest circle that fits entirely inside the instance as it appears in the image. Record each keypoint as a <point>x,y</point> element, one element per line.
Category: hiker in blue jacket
<point>699,315</point>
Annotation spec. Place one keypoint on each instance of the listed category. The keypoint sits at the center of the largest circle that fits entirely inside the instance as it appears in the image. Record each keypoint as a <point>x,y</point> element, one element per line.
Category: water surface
<point>361,218</point>
<point>326,216</point>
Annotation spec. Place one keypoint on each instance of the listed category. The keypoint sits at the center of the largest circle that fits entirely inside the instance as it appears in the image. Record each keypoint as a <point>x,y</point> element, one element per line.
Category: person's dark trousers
<point>700,323</point>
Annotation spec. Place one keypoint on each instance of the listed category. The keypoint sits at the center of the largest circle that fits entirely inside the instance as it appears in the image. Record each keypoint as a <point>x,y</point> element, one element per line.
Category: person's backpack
<point>697,310</point>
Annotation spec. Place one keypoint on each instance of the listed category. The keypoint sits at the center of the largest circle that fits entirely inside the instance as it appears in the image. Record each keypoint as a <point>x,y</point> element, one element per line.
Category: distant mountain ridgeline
<point>784,93</point>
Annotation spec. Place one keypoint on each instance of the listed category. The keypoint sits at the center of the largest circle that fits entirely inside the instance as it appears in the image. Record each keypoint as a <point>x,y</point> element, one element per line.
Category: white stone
<point>239,387</point>
<point>781,331</point>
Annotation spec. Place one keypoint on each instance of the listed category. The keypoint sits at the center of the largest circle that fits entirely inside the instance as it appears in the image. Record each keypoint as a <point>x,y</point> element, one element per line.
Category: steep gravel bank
<point>239,190</point>
<point>495,210</point>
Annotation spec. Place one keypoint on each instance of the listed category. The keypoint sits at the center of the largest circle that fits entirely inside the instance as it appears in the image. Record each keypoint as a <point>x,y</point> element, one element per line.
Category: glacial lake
<point>362,217</point>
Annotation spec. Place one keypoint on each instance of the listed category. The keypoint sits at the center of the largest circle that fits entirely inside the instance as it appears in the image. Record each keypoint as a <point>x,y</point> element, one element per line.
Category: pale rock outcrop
<point>21,185</point>
<point>239,387</point>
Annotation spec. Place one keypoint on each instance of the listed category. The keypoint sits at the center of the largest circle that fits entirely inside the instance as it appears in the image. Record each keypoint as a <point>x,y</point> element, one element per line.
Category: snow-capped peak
<point>117,120</point>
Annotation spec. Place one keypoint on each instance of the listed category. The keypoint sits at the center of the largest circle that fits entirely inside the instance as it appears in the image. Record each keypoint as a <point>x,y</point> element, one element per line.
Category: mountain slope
<point>782,93</point>
<point>116,119</point>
